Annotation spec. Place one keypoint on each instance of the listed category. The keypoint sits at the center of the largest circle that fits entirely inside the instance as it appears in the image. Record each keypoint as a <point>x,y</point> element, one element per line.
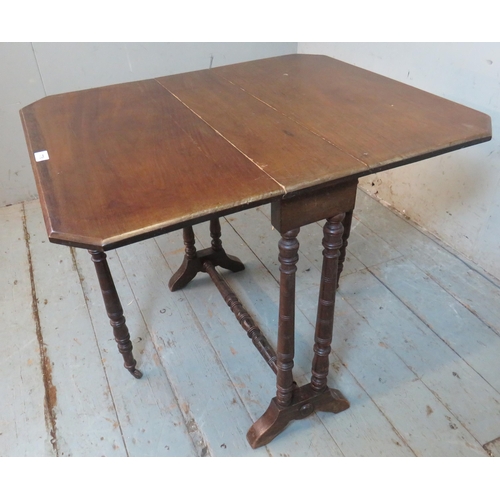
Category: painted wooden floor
<point>416,346</point>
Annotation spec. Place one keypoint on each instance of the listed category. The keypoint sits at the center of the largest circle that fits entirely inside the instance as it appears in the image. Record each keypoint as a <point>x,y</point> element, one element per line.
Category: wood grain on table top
<point>379,121</point>
<point>133,160</point>
<point>130,159</point>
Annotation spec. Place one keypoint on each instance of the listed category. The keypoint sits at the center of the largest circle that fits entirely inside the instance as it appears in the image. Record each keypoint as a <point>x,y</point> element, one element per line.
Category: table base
<point>291,402</point>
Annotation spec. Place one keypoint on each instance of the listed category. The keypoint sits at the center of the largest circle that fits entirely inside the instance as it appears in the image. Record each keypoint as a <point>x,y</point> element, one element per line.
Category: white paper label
<point>41,156</point>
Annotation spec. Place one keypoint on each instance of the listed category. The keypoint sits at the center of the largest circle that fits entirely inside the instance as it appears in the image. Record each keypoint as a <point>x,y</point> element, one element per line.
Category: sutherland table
<point>122,163</point>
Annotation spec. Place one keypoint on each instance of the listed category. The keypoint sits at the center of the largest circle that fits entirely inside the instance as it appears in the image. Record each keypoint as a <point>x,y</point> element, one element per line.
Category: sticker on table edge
<point>41,156</point>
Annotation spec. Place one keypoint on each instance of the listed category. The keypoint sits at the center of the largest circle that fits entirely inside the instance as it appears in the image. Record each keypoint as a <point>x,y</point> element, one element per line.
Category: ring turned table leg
<point>288,258</point>
<point>281,409</point>
<point>115,311</point>
<point>218,255</point>
<point>292,402</point>
<point>332,242</point>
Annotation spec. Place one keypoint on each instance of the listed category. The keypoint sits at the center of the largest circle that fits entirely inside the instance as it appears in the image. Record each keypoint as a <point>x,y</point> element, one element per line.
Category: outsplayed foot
<point>305,401</point>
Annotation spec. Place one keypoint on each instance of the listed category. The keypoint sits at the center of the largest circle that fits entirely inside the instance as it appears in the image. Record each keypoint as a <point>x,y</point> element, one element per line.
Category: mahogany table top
<point>134,160</point>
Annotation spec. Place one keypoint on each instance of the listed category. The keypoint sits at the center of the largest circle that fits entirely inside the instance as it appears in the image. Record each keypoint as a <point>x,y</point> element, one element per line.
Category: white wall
<point>456,196</point>
<point>30,71</point>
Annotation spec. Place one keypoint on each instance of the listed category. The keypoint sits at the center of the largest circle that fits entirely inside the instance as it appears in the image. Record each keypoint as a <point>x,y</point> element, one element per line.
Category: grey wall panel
<point>65,67</point>
<point>19,78</point>
<point>75,66</point>
<point>20,84</point>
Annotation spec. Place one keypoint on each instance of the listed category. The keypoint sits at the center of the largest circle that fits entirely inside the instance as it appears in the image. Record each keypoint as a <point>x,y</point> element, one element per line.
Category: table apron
<point>312,206</point>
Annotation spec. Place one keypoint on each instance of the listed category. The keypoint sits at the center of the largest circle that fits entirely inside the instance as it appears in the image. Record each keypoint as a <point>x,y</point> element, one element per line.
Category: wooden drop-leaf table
<point>122,163</point>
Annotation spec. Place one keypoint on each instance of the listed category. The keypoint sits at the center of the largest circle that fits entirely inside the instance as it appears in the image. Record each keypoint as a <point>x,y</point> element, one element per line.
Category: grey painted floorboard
<point>84,418</point>
<point>415,346</point>
<point>441,369</point>
<point>23,430</point>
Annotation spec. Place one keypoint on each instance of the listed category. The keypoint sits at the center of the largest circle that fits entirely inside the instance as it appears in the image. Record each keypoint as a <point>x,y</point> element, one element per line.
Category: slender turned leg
<point>190,266</point>
<point>292,402</point>
<point>218,255</point>
<point>215,234</point>
<point>115,311</point>
<point>347,231</point>
<point>288,257</point>
<point>275,419</point>
<point>332,242</point>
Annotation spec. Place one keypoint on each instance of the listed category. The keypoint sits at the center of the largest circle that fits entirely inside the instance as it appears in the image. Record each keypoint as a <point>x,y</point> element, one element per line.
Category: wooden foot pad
<point>305,401</point>
<point>193,259</point>
<point>190,267</point>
